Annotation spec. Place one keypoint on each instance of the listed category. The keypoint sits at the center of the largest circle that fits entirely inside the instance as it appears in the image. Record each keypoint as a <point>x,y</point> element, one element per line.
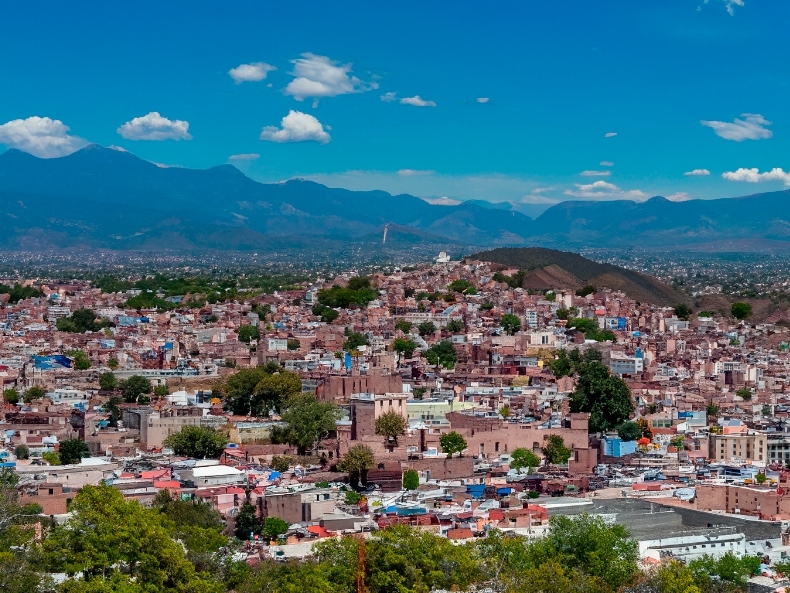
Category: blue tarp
<point>50,362</point>
<point>476,490</point>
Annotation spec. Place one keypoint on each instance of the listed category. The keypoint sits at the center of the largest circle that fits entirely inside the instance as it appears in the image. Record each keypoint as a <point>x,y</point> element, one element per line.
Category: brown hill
<point>548,268</point>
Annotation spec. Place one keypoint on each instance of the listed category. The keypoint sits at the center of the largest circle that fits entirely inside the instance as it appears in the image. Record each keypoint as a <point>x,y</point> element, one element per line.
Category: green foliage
<point>71,451</point>
<point>514,281</point>
<point>135,389</point>
<point>411,479</point>
<point>731,569</point>
<point>161,391</point>
<point>459,285</point>
<point>51,457</point>
<point>682,310</point>
<point>107,382</point>
<point>629,431</point>
<point>351,497</point>
<point>760,478</point>
<point>274,528</point>
<point>745,393</point>
<point>391,424</point>
<point>256,391</point>
<point>510,323</point>
<point>452,443</point>
<point>358,292</point>
<point>556,451</point>
<point>606,397</point>
<point>523,457</point>
<point>486,306</point>
<point>197,441</point>
<point>403,325</point>
<point>426,328</point>
<point>112,363</point>
<point>454,326</point>
<point>569,363</point>
<point>149,300</point>
<point>280,463</point>
<point>80,360</point>
<point>112,406</point>
<point>22,452</point>
<point>247,522</point>
<point>504,411</point>
<point>81,321</point>
<point>19,292</point>
<point>11,396</point>
<point>307,420</point>
<point>293,344</point>
<point>590,329</point>
<point>441,353</point>
<point>712,409</point>
<point>247,333</point>
<point>34,393</point>
<point>583,292</point>
<point>404,346</point>
<point>354,340</point>
<point>741,310</point>
<point>357,460</point>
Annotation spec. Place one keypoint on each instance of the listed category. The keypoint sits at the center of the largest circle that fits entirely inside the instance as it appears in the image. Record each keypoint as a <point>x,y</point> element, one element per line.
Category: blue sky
<point>390,95</point>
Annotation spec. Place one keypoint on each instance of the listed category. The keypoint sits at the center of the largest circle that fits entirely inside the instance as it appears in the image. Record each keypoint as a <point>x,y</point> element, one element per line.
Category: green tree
<point>411,479</point>
<point>274,389</point>
<point>293,344</point>
<point>51,457</point>
<point>135,389</point>
<point>34,393</point>
<point>426,328</point>
<point>712,410</point>
<point>555,450</point>
<point>357,461</point>
<point>731,569</point>
<point>197,441</point>
<point>307,420</point>
<point>745,393</point>
<point>247,522</point>
<point>760,478</point>
<point>81,321</point>
<point>280,463</point>
<point>629,431</point>
<point>682,310</point>
<point>112,406</point>
<point>112,363</point>
<point>510,323</point>
<point>391,425</point>
<point>741,310</point>
<point>606,397</point>
<point>240,387</point>
<point>403,326</point>
<point>504,411</point>
<point>582,292</point>
<point>354,340</point>
<point>11,396</point>
<point>523,457</point>
<point>459,285</point>
<point>455,326</point>
<point>117,544</point>
<point>404,346</point>
<point>247,333</point>
<point>107,382</point>
<point>80,360</point>
<point>274,528</point>
<point>22,452</point>
<point>452,443</point>
<point>161,391</point>
<point>72,450</point>
<point>441,353</point>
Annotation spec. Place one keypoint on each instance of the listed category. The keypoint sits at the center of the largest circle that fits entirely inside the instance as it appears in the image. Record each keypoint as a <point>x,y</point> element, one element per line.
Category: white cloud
<point>751,127</point>
<point>417,101</point>
<point>540,190</point>
<point>118,148</point>
<point>536,198</point>
<point>680,196</point>
<point>482,99</point>
<point>318,77</point>
<point>443,201</point>
<point>40,136</point>
<point>606,164</point>
<point>610,134</point>
<point>697,173</point>
<point>388,97</point>
<point>250,72</point>
<point>296,127</point>
<point>731,3</point>
<point>754,175</point>
<point>155,127</point>
<point>410,172</point>
<point>595,173</point>
<point>249,156</point>
<point>603,190</point>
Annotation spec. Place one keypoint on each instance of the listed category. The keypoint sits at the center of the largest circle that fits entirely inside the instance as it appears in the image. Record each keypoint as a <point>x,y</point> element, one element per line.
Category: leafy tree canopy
<point>556,451</point>
<point>523,457</point>
<point>510,323</point>
<point>404,346</point>
<point>71,451</point>
<point>426,328</point>
<point>442,353</point>
<point>307,420</point>
<point>606,397</point>
<point>81,321</point>
<point>629,431</point>
<point>452,443</point>
<point>197,441</point>
<point>357,459</point>
<point>741,310</point>
<point>391,424</point>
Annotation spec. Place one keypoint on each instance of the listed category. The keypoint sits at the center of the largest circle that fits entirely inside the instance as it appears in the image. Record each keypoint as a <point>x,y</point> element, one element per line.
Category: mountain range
<point>108,198</point>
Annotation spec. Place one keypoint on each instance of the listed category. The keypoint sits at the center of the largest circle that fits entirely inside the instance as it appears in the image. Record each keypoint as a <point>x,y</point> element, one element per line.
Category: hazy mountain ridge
<point>101,197</point>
